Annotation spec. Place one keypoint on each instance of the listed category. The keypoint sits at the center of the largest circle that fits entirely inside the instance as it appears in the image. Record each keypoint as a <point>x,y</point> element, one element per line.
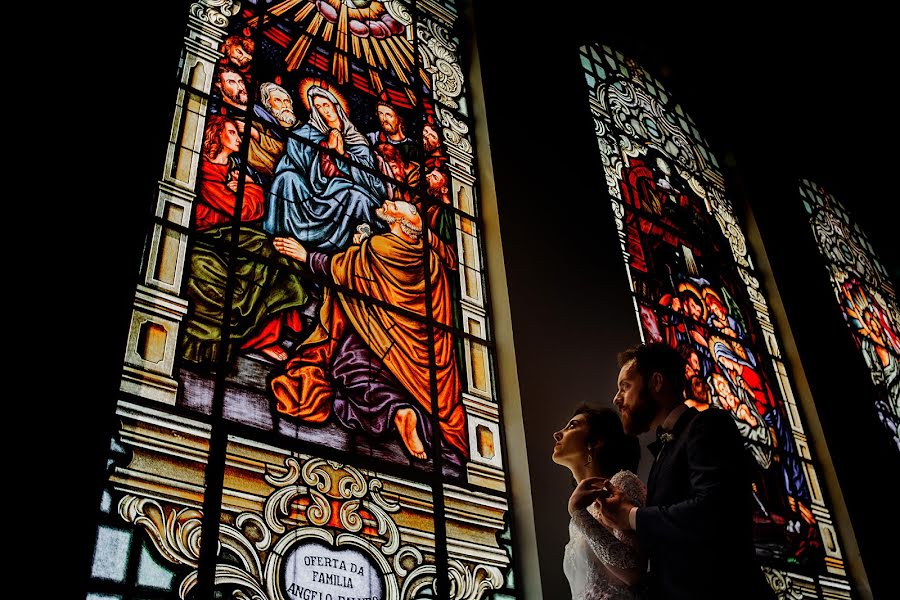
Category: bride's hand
<point>614,509</point>
<point>587,491</point>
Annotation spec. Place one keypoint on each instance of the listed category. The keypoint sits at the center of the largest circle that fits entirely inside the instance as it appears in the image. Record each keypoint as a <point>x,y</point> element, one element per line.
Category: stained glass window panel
<point>293,524</point>
<point>155,492</point>
<point>111,553</point>
<point>695,288</point>
<point>152,572</point>
<point>866,296</point>
<point>313,281</point>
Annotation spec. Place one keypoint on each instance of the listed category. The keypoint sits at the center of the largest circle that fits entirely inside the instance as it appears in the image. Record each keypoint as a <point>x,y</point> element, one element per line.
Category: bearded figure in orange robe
<point>367,362</point>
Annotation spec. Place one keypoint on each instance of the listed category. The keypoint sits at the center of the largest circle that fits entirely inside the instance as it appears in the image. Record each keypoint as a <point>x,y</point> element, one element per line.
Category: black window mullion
<point>218,442</point>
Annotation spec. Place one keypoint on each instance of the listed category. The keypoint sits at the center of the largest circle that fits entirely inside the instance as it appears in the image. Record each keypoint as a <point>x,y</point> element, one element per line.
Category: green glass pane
<point>703,152</point>
<point>600,71</point>
<point>585,62</point>
<point>596,56</point>
<point>501,596</point>
<point>111,553</point>
<point>103,597</point>
<point>807,207</point>
<point>153,572</point>
<point>590,80</point>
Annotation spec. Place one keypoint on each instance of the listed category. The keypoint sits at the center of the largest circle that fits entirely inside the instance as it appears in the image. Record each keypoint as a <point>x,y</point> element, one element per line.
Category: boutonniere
<point>666,437</point>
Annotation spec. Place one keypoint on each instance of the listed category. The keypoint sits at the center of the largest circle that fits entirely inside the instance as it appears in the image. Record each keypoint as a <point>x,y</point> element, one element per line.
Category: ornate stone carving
<point>733,234</point>
<point>782,585</point>
<point>439,61</point>
<point>467,583</point>
<point>838,246</point>
<point>175,533</point>
<point>398,11</point>
<point>455,132</point>
<point>642,117</point>
<point>215,12</point>
<point>310,501</point>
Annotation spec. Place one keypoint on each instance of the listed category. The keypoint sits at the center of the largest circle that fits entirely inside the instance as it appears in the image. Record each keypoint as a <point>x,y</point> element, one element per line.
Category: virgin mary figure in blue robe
<point>319,195</point>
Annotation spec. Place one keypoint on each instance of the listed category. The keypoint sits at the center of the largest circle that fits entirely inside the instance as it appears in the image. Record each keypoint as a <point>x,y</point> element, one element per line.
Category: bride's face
<point>571,442</point>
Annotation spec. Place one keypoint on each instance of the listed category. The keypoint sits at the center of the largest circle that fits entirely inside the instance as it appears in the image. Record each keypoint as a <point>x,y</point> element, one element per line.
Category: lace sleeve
<point>608,548</point>
<point>631,485</point>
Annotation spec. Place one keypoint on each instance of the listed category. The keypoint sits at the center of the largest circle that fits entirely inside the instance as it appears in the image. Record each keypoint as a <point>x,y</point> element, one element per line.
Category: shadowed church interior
<point>338,339</point>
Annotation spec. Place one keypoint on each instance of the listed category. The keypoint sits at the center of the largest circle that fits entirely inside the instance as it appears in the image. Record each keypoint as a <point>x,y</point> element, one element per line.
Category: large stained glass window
<point>863,290</point>
<point>695,287</point>
<point>308,405</point>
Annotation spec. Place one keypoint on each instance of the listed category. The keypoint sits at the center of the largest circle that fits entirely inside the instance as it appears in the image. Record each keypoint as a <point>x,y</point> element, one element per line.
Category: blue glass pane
<point>153,572</point>
<point>106,502</point>
<point>103,597</point>
<point>111,553</point>
<point>463,107</point>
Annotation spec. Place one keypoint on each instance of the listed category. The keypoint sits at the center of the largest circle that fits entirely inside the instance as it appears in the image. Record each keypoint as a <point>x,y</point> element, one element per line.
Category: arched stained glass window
<point>867,298</point>
<point>695,287</point>
<point>308,405</point>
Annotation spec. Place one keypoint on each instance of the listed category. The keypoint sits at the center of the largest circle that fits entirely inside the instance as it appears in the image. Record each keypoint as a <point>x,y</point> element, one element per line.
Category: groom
<point>696,528</point>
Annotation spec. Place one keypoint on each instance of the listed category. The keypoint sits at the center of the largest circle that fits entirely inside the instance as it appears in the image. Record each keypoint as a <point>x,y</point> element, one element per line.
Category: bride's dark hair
<point>614,450</point>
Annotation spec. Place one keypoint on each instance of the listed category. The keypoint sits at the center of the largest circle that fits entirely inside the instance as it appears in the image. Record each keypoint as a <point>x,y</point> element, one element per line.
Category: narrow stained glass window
<point>695,288</point>
<point>867,298</point>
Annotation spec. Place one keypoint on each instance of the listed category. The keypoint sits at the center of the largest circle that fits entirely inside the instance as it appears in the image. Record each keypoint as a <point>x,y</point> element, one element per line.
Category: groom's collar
<point>672,418</point>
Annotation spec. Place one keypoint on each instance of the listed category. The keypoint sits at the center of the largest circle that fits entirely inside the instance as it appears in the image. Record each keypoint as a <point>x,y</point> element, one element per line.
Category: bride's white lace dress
<point>591,545</point>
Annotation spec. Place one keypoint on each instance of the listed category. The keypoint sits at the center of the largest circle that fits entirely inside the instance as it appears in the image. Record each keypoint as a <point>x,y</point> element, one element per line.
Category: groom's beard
<point>637,420</point>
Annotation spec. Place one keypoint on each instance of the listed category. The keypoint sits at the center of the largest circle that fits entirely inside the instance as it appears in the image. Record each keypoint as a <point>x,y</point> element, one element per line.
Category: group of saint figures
<point>334,240</point>
<point>693,303</point>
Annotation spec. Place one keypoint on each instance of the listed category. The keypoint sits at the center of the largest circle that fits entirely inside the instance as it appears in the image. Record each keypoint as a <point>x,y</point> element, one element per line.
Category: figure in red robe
<point>266,292</point>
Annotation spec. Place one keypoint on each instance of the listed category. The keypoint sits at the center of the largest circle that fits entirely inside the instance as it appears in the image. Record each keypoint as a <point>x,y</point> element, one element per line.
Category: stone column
<point>158,307</point>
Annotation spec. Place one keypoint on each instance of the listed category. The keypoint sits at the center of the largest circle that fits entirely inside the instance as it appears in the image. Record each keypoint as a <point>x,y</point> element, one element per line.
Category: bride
<point>600,564</point>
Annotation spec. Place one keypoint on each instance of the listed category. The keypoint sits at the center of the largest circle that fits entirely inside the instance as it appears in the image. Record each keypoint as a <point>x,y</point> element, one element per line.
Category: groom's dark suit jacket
<point>696,528</point>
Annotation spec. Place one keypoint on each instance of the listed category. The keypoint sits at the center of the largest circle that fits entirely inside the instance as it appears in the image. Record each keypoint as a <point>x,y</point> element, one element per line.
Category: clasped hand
<point>588,491</point>
<point>614,505</point>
